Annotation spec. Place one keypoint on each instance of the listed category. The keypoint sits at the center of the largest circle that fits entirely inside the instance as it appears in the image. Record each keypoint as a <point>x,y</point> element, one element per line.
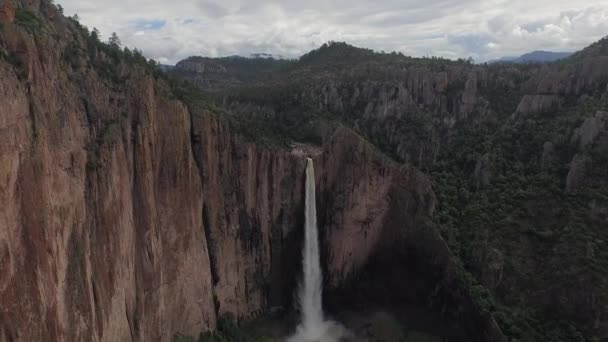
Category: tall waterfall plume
<point>313,327</point>
<point>311,291</point>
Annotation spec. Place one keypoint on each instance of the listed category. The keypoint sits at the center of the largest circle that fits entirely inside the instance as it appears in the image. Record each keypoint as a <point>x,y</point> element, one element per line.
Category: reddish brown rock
<point>100,229</point>
<point>7,13</point>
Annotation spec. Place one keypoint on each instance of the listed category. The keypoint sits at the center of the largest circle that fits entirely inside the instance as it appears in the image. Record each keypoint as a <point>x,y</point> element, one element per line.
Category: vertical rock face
<point>101,236</point>
<point>532,104</point>
<point>356,187</point>
<point>253,211</point>
<point>590,129</point>
<point>252,199</point>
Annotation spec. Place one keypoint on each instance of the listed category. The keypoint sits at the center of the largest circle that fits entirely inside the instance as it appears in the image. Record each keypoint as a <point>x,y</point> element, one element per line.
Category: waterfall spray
<point>313,327</point>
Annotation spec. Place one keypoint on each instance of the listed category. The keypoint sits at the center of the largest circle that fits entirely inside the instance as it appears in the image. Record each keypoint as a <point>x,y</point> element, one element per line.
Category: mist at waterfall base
<point>313,326</point>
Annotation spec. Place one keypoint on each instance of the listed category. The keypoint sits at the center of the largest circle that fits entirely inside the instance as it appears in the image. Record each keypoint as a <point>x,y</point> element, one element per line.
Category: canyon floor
<point>373,325</point>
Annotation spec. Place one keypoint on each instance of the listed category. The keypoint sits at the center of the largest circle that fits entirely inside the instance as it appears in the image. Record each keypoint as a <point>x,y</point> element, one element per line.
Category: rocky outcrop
<point>7,13</point>
<point>590,136</point>
<point>469,95</point>
<point>538,104</point>
<point>206,73</point>
<point>200,65</point>
<point>576,175</point>
<point>411,113</point>
<point>590,130</point>
<point>579,78</point>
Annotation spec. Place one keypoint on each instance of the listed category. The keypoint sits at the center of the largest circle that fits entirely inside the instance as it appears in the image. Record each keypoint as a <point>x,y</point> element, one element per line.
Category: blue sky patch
<point>150,25</point>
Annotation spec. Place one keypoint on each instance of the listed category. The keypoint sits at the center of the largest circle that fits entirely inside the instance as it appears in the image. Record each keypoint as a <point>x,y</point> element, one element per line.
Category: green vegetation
<point>385,327</point>
<point>15,61</point>
<point>109,60</point>
<point>336,52</point>
<point>599,48</point>
<point>27,19</point>
<point>523,232</point>
<point>227,331</point>
<point>108,131</point>
<point>340,58</point>
<point>114,41</point>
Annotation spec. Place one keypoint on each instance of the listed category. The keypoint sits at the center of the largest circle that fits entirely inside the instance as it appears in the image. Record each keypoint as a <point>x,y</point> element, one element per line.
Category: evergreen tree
<point>95,34</point>
<point>114,41</point>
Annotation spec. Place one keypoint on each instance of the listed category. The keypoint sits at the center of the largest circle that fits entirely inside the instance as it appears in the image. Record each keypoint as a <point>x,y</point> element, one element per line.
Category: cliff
<point>101,232</point>
<point>127,215</point>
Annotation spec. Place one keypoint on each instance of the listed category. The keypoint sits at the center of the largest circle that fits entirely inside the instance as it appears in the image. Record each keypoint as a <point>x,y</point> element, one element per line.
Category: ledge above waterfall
<point>305,150</point>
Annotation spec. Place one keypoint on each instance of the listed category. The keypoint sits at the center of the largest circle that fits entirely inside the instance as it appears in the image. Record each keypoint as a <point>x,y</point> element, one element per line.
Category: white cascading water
<point>313,327</point>
<point>310,293</point>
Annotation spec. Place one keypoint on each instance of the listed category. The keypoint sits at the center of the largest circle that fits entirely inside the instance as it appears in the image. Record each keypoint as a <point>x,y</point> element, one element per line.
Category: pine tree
<point>95,34</point>
<point>114,41</point>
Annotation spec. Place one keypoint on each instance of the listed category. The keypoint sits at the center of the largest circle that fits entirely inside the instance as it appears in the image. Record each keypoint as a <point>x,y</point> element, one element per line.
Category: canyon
<point>130,212</point>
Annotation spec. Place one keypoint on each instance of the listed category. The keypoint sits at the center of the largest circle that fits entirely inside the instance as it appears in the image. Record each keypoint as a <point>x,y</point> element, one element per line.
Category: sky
<point>169,31</point>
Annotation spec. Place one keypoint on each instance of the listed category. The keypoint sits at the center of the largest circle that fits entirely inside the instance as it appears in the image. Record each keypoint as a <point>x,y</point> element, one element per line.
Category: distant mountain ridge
<point>538,56</point>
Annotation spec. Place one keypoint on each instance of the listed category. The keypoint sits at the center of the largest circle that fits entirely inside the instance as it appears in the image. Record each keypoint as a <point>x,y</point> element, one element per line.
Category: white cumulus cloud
<point>483,29</point>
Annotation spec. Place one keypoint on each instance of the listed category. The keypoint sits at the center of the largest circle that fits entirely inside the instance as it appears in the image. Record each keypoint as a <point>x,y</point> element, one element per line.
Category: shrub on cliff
<point>27,19</point>
<point>229,331</point>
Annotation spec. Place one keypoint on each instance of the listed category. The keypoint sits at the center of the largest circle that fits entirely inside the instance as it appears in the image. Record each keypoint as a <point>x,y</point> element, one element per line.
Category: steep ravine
<point>125,216</point>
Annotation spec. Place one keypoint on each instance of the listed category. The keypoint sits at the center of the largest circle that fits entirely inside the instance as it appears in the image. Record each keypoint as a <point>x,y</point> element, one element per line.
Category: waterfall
<point>311,291</point>
<point>313,327</point>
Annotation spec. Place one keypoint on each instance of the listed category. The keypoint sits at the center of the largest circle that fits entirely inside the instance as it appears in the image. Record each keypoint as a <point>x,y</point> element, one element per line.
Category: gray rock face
<point>200,65</point>
<point>590,129</point>
<point>578,167</point>
<point>536,104</point>
<point>574,79</point>
<point>469,96</point>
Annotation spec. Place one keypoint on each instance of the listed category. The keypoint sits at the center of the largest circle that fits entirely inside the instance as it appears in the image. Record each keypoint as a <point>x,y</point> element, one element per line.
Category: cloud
<point>482,29</point>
